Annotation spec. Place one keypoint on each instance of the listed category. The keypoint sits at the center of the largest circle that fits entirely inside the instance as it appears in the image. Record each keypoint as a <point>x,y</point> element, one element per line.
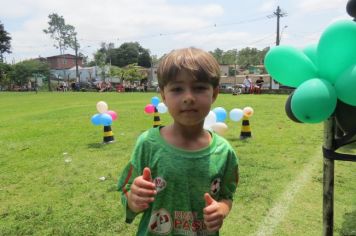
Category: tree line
<point>124,60</point>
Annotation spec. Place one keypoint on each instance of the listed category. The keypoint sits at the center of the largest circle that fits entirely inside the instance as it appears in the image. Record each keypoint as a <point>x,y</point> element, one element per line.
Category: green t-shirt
<point>181,178</point>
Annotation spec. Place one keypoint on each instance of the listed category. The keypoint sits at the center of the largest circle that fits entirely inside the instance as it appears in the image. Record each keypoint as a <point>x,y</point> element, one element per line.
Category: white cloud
<point>320,5</point>
<point>161,25</point>
<point>268,6</point>
<point>104,21</point>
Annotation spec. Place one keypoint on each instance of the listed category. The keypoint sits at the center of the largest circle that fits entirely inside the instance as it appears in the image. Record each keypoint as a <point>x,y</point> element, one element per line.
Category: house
<point>65,61</point>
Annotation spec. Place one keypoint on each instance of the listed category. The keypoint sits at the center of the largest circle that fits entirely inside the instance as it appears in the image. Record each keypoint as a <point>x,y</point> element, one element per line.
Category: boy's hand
<point>142,192</point>
<point>214,213</point>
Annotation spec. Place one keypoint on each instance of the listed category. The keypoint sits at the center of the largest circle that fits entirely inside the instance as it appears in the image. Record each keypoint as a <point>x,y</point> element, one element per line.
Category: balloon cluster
<point>105,116</point>
<point>215,119</point>
<point>155,104</point>
<point>323,74</point>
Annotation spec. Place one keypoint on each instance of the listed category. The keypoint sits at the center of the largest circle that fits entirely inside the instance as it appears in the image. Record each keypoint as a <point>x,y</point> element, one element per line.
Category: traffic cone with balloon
<point>156,107</point>
<point>105,118</point>
<point>246,128</point>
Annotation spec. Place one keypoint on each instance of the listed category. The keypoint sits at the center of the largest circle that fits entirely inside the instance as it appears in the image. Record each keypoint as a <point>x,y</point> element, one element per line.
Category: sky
<point>163,25</point>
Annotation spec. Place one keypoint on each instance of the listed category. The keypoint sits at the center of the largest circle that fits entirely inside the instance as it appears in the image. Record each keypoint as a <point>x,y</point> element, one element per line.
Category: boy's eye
<point>200,87</point>
<point>176,89</point>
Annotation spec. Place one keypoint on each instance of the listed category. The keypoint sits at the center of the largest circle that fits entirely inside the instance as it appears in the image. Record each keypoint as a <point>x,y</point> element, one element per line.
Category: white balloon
<point>248,111</point>
<point>102,107</point>
<point>236,114</point>
<point>161,107</point>
<point>210,119</point>
<point>220,128</point>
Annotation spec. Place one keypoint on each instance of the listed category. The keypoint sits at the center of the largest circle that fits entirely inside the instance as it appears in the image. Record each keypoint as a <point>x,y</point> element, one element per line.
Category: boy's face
<point>188,100</point>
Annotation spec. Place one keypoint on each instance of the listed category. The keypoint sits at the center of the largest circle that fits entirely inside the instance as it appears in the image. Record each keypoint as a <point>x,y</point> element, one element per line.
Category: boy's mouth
<point>188,110</point>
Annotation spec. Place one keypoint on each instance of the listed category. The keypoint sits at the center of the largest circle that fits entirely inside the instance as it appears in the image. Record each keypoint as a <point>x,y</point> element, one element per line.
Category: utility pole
<point>278,13</point>
<point>76,59</point>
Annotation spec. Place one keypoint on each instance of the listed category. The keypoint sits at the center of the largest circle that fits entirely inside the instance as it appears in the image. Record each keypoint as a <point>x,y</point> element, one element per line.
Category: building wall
<point>65,61</point>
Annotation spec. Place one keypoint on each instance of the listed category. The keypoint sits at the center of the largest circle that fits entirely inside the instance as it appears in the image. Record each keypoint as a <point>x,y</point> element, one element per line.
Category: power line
<point>216,25</point>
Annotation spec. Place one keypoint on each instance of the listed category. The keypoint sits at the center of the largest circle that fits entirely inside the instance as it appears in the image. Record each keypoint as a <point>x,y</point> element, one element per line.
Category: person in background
<point>29,85</point>
<point>65,86</point>
<point>247,84</point>
<point>181,176</point>
<point>258,85</point>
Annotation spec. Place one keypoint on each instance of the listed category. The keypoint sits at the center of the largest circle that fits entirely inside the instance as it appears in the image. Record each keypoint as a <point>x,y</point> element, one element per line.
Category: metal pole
<point>76,60</point>
<point>328,179</point>
<point>278,14</point>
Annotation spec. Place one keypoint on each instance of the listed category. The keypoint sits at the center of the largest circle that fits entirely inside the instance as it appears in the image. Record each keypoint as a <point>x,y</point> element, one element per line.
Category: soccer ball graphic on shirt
<point>215,186</point>
<point>160,222</point>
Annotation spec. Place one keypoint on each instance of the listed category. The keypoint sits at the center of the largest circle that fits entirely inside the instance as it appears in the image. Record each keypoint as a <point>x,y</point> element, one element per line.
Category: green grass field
<point>51,159</point>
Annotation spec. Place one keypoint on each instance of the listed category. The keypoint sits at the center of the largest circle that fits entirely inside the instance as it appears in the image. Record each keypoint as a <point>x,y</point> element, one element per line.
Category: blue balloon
<point>95,119</point>
<point>236,114</point>
<point>220,114</point>
<point>105,119</point>
<point>155,101</point>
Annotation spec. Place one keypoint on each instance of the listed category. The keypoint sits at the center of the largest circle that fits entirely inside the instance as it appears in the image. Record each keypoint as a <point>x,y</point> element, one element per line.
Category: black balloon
<point>351,8</point>
<point>345,117</point>
<point>288,109</point>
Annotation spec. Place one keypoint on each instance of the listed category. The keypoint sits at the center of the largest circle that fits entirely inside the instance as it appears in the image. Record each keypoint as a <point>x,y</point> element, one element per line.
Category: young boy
<point>181,176</point>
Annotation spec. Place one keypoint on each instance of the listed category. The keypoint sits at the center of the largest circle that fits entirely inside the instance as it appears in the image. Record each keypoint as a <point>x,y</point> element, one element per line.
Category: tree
<point>144,58</point>
<point>5,70</point>
<point>262,54</point>
<point>5,44</point>
<point>133,73</point>
<point>229,57</point>
<point>244,58</point>
<point>248,56</point>
<point>126,54</point>
<point>64,35</point>
<point>218,54</point>
<point>100,61</point>
<point>154,60</point>
<point>21,72</point>
<point>130,72</point>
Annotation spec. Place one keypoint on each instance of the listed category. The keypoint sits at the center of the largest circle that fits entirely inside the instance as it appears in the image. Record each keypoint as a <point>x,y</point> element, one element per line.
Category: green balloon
<point>337,49</point>
<point>288,109</point>
<point>314,101</point>
<point>345,117</point>
<point>345,86</point>
<point>311,52</point>
<point>289,66</point>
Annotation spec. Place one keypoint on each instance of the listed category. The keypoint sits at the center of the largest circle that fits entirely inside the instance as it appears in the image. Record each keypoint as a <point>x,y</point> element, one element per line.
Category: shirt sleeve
<point>124,186</point>
<point>231,177</point>
<point>131,171</point>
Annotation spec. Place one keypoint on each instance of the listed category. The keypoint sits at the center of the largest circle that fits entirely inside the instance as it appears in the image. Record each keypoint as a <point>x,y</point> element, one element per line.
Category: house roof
<point>64,55</point>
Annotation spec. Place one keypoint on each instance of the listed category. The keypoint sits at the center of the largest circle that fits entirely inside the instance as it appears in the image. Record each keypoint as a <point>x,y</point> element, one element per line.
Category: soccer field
<point>57,178</point>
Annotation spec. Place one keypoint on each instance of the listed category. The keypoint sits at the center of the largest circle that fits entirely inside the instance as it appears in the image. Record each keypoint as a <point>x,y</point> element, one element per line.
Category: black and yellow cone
<point>245,128</point>
<point>108,135</point>
<point>156,119</point>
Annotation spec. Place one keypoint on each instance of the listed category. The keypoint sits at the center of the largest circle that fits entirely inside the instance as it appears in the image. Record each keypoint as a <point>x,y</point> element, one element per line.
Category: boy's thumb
<point>146,174</point>
<point>208,199</point>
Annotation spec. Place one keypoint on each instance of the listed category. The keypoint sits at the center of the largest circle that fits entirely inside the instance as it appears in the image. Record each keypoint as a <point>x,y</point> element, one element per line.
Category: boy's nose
<point>188,97</point>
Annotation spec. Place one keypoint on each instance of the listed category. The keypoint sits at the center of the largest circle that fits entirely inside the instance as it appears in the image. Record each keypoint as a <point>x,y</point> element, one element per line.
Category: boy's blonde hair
<point>200,64</point>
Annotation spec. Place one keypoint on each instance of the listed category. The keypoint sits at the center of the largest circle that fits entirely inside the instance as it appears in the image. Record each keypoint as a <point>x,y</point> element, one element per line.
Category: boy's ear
<point>215,93</point>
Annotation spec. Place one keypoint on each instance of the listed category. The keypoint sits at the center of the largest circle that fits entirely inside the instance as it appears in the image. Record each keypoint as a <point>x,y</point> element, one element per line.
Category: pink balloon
<point>149,109</point>
<point>112,114</point>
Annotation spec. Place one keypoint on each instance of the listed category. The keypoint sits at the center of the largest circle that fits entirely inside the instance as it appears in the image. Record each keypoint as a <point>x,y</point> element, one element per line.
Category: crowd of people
<point>103,86</point>
<point>247,87</point>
